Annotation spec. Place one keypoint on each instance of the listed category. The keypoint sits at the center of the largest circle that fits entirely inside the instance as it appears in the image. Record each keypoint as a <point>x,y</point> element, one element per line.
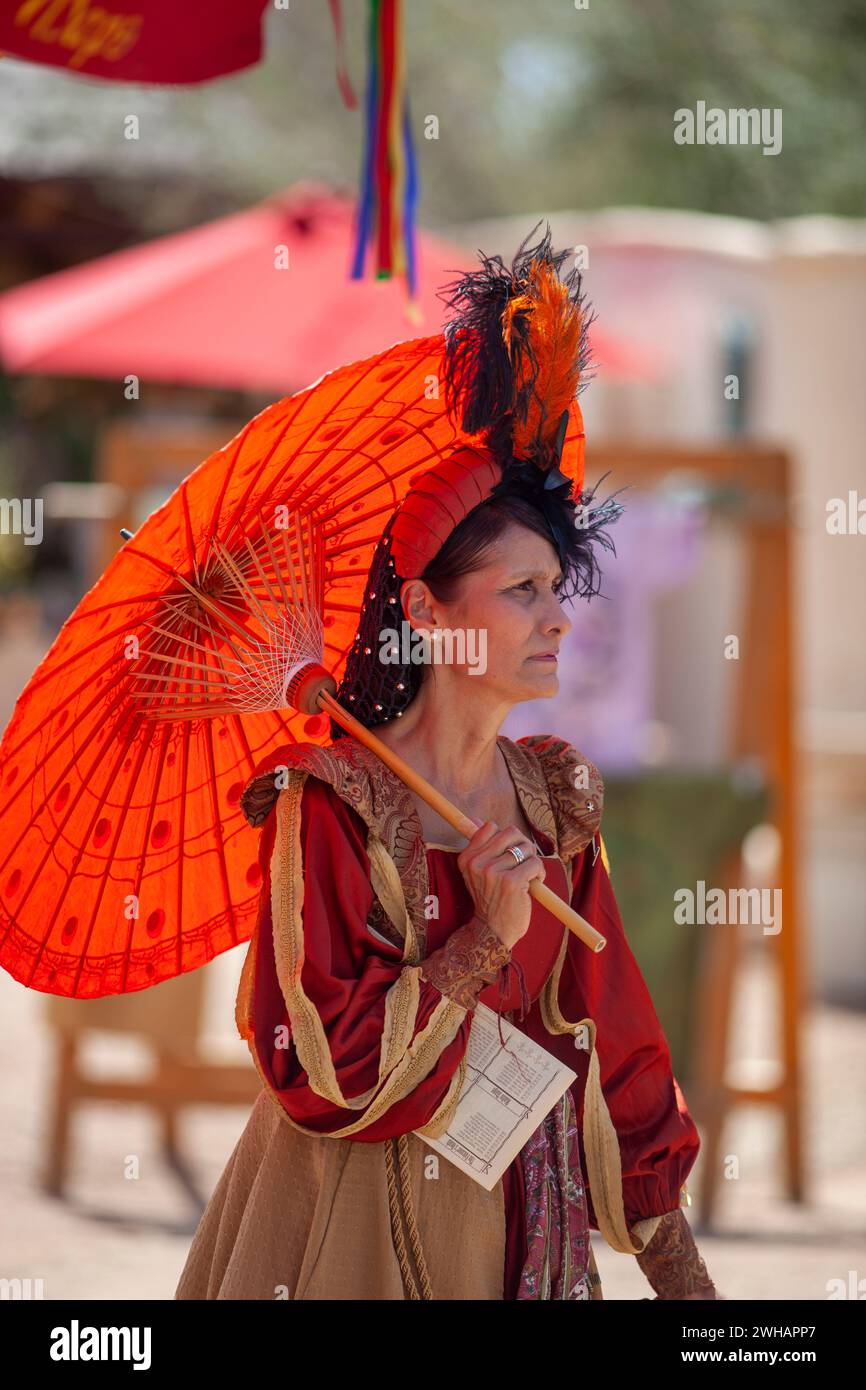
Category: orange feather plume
<point>545,359</point>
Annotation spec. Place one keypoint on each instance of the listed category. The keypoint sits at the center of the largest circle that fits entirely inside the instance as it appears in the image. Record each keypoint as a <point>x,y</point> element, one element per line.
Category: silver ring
<point>517,852</point>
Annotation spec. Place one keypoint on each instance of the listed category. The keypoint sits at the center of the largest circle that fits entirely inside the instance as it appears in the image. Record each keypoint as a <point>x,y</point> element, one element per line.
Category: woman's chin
<point>545,679</point>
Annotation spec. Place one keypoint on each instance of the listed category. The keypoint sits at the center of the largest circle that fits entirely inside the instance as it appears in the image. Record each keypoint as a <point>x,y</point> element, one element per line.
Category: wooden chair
<point>167,1019</point>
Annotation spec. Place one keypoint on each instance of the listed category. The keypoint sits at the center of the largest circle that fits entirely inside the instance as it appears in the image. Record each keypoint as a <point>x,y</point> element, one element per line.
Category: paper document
<point>507,1091</point>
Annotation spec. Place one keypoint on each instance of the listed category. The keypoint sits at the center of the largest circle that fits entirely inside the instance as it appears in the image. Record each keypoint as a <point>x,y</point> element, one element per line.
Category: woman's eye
<point>558,589</point>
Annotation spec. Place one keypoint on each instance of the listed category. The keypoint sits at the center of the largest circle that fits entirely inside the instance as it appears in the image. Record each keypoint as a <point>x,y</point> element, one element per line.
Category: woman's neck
<point>458,753</point>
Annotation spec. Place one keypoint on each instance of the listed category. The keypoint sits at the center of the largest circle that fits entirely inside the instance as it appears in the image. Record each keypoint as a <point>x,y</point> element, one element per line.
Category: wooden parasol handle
<point>324,700</point>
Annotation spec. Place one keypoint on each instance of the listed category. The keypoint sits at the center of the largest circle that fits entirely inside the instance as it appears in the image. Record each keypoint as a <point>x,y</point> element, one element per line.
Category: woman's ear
<point>415,599</point>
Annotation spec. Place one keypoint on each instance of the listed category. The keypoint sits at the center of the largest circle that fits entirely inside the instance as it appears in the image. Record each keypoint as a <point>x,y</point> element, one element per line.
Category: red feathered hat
<point>515,358</point>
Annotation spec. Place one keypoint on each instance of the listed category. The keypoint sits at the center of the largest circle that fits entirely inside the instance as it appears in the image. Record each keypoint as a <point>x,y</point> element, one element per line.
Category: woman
<point>380,930</point>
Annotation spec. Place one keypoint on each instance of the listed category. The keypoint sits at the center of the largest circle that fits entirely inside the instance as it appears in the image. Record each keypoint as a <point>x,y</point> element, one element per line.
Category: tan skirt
<point>301,1217</point>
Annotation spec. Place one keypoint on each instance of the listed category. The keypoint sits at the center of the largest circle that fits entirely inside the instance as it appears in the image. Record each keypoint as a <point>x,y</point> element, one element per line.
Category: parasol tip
<point>127,534</point>
<point>303,690</point>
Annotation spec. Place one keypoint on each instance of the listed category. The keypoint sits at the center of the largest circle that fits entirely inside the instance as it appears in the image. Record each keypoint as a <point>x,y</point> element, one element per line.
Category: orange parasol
<point>126,858</point>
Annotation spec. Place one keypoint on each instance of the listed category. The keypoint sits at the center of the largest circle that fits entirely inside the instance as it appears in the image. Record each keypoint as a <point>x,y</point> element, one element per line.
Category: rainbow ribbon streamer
<point>389,187</point>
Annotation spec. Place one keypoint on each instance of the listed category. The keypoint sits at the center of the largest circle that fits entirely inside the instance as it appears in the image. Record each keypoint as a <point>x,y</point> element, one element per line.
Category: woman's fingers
<point>479,841</point>
<point>499,844</point>
<point>530,868</point>
<point>497,881</point>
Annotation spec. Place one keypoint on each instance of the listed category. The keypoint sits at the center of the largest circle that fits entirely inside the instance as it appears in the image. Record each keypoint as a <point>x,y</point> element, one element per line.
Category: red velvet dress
<point>348,970</point>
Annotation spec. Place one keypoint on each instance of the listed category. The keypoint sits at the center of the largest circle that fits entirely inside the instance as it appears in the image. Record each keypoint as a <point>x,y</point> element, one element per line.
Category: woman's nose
<point>558,620</point>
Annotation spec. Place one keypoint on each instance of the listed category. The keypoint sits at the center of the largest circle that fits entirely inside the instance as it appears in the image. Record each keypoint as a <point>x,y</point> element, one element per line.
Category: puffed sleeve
<point>351,1040</point>
<point>658,1139</point>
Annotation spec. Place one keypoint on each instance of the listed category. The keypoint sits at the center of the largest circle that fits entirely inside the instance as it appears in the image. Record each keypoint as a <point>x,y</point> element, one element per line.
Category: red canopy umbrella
<point>213,306</point>
<point>160,41</point>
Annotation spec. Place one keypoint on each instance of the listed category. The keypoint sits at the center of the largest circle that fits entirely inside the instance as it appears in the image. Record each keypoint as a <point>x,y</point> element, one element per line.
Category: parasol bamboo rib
<point>448,811</point>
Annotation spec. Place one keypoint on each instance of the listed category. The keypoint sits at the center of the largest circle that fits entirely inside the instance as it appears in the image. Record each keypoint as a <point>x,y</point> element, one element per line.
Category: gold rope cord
<point>409,1210</point>
<point>397,1238</point>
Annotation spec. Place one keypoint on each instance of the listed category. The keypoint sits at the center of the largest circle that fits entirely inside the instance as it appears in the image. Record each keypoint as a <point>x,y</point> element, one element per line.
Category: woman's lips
<point>551,657</point>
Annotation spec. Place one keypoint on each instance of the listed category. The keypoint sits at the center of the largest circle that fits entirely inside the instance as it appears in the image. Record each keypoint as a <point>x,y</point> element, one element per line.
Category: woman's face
<point>508,615</point>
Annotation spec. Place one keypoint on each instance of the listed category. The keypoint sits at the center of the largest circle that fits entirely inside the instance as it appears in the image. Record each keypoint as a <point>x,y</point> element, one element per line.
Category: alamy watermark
<point>22,516</point>
<point>739,126</point>
<point>701,906</point>
<point>443,646</point>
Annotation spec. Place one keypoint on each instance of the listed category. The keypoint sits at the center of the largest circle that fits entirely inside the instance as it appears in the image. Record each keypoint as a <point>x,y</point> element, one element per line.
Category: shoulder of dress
<point>355,774</point>
<point>259,796</point>
<point>575,787</point>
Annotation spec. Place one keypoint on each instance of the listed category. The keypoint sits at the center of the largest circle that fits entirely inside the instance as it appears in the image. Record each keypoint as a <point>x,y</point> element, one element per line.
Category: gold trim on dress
<point>403,1062</point>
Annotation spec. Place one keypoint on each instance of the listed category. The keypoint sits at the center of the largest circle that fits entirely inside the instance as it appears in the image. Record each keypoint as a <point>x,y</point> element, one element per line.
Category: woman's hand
<point>498,884</point>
